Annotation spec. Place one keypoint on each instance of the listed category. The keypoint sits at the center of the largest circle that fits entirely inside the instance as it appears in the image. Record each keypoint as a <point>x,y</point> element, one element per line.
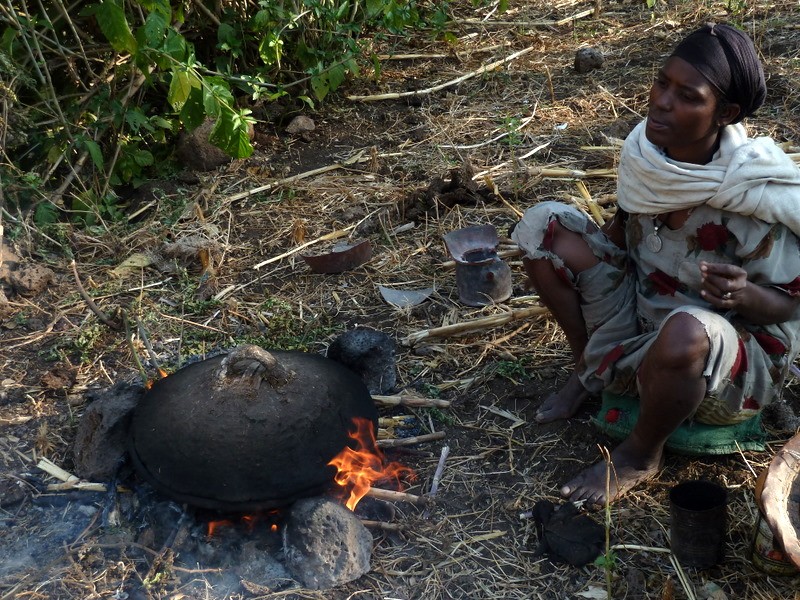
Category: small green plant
<point>608,560</point>
<point>430,390</point>
<point>511,369</point>
<point>439,416</point>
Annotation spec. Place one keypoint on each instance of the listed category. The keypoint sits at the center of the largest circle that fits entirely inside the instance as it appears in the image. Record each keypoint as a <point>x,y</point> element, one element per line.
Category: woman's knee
<point>682,342</point>
<point>571,248</point>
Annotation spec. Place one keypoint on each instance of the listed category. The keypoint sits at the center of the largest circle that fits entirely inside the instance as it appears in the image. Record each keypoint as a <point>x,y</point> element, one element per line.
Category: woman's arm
<point>615,228</point>
<point>727,287</point>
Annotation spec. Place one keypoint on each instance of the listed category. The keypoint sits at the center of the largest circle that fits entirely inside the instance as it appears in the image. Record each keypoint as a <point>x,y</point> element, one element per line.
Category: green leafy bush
<point>102,88</point>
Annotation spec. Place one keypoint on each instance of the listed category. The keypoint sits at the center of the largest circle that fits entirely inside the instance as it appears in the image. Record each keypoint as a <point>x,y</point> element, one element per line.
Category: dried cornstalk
<point>475,325</point>
<point>411,400</point>
<point>562,173</point>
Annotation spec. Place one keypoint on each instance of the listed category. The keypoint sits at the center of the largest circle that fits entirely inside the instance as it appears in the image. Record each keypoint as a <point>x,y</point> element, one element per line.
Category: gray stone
<point>300,124</point>
<point>588,59</point>
<point>31,279</point>
<point>325,544</point>
<point>370,354</point>
<point>196,153</point>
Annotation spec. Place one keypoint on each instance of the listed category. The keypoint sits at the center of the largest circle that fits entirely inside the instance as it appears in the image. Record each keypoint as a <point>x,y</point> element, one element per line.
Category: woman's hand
<point>727,287</point>
<point>723,284</point>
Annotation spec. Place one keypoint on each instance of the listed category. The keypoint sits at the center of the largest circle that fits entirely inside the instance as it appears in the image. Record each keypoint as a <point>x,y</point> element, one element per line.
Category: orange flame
<point>360,468</point>
<point>247,522</point>
<point>213,526</point>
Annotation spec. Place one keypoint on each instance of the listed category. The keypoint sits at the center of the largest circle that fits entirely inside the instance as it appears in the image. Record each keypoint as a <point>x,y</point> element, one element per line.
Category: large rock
<point>196,153</point>
<point>325,544</point>
<point>370,354</point>
<point>101,439</point>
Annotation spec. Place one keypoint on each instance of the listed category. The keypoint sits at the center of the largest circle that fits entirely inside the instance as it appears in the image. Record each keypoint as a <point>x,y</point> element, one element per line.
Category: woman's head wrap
<point>727,57</point>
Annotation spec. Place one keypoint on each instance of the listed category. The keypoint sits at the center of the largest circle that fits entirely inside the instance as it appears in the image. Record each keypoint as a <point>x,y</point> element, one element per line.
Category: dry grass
<point>535,113</point>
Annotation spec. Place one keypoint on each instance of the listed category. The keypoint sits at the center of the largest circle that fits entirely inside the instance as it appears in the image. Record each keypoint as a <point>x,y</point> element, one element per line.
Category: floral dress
<point>629,294</point>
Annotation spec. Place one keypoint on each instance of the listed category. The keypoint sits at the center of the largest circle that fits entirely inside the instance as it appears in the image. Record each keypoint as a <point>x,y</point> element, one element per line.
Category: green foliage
<point>118,80</point>
<point>284,329</point>
<point>511,369</point>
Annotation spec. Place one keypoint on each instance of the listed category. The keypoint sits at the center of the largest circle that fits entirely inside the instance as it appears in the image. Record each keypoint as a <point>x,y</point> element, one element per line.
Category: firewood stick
<point>396,496</point>
<point>417,439</point>
<point>411,400</point>
<point>384,526</point>
<point>475,325</point>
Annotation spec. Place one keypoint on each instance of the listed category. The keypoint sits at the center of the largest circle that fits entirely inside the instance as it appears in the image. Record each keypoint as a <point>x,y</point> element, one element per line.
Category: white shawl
<point>746,176</point>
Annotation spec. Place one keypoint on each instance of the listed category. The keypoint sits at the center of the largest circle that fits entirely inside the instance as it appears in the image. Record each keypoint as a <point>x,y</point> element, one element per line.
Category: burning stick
<point>397,496</point>
<point>411,400</point>
<point>417,439</point>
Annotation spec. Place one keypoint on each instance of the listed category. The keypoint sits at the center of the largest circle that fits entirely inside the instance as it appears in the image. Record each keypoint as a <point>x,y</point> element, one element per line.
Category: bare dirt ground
<point>535,128</point>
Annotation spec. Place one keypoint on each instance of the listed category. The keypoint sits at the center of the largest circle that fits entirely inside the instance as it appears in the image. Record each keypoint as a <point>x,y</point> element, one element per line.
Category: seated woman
<point>689,298</point>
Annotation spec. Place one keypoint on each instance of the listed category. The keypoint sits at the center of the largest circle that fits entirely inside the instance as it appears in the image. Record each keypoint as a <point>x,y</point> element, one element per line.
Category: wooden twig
<point>452,82</point>
<point>411,400</point>
<point>437,475</point>
<point>104,318</point>
<point>146,341</point>
<point>325,238</point>
<point>474,325</point>
<point>384,526</point>
<point>356,158</point>
<point>440,55</point>
<point>397,496</point>
<point>410,441</point>
<point>522,124</point>
<point>496,191</point>
<point>537,24</point>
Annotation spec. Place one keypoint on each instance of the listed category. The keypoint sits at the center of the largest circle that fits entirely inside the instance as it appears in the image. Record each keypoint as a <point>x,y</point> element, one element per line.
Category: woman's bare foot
<point>564,403</point>
<point>629,468</point>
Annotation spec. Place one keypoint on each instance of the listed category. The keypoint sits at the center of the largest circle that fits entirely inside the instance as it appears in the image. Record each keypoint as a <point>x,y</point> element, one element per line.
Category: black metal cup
<point>698,522</point>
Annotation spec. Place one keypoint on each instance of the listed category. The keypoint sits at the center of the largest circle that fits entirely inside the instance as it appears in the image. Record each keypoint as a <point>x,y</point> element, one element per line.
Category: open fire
<point>359,469</point>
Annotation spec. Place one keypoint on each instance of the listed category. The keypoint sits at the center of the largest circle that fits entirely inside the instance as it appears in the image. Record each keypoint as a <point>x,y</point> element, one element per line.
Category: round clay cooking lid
<point>781,498</point>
